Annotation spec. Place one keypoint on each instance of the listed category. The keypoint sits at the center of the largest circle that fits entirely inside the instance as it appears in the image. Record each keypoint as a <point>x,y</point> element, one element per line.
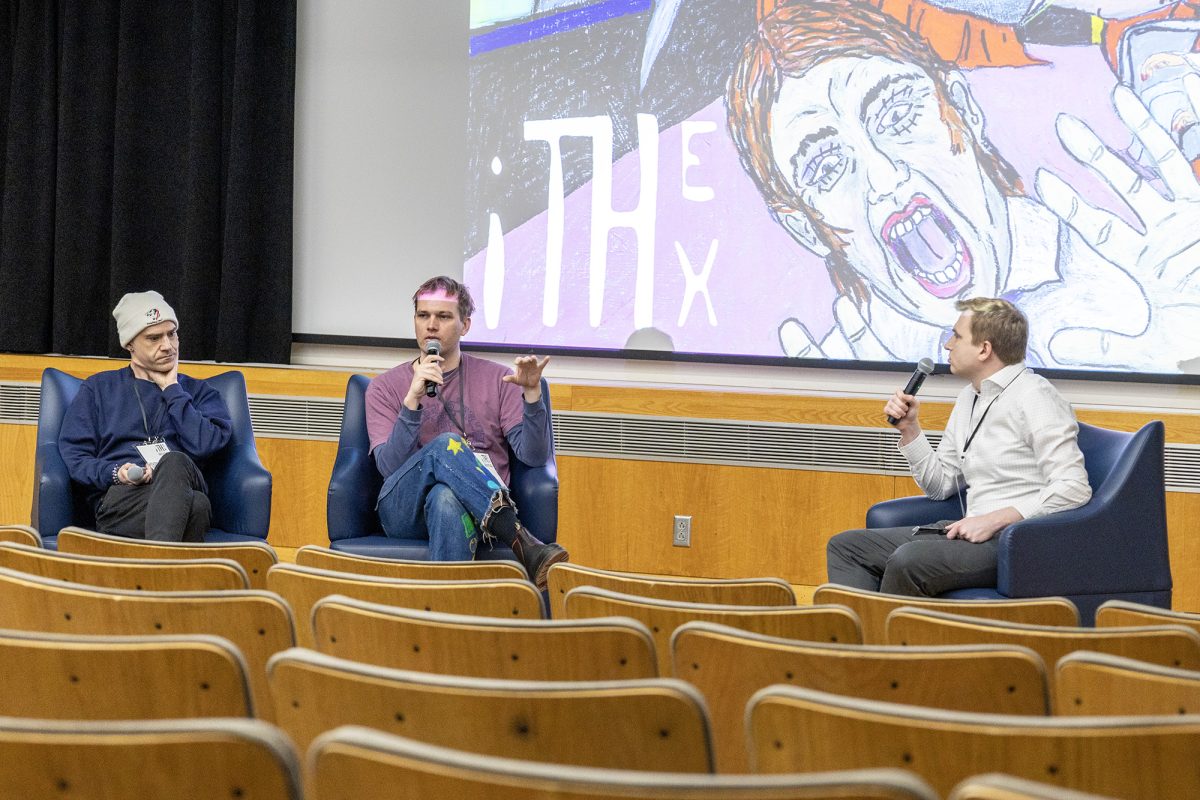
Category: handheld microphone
<point>432,348</point>
<point>924,369</point>
<point>134,473</point>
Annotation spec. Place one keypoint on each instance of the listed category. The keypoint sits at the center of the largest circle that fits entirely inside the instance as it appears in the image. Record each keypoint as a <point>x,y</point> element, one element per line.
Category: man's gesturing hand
<point>527,373</point>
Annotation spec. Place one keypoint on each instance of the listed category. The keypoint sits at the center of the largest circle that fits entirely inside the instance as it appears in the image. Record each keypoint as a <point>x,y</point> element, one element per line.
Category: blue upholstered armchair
<point>354,526</point>
<point>1115,547</point>
<point>239,487</point>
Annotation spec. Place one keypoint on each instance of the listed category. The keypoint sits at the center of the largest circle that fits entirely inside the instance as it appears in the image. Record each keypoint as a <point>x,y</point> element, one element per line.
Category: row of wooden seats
<point>600,593</point>
<point>660,724</point>
<point>726,665</point>
<point>77,609</point>
<point>254,760</point>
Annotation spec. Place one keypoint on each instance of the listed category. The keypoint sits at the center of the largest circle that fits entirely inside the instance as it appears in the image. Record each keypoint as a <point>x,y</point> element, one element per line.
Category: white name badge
<point>153,453</point>
<point>486,462</point>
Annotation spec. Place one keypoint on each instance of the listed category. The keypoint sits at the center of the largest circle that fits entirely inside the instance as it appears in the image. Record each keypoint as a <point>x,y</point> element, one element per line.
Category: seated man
<point>1011,438</point>
<point>137,437</point>
<point>440,427</point>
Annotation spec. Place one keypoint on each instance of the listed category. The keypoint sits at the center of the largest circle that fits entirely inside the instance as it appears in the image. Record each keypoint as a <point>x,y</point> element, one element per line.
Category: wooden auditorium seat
<point>185,758</point>
<point>1122,613</point>
<point>68,676</point>
<point>485,647</point>
<point>258,623</point>
<point>256,557</point>
<point>1137,758</point>
<point>873,608</point>
<point>657,723</point>
<point>23,534</point>
<point>311,555</point>
<point>728,666</point>
<point>998,786</point>
<point>1169,645</point>
<point>302,587</point>
<point>564,577</point>
<point>355,763</point>
<point>138,574</point>
<point>662,617</point>
<point>1097,683</point>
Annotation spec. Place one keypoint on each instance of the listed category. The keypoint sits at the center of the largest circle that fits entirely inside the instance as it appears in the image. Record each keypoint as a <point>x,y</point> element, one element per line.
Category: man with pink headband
<point>440,428</point>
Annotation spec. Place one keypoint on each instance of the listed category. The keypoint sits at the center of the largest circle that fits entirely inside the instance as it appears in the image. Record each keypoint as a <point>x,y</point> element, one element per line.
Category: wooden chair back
<point>662,617</point>
<point>873,608</point>
<point>65,676</point>
<point>185,758</point>
<point>1122,613</point>
<point>657,723</point>
<point>137,574</point>
<point>1169,645</point>
<point>1089,683</point>
<point>255,557</point>
<point>311,555</point>
<point>354,763</point>
<point>302,587</point>
<point>22,534</point>
<point>998,786</point>
<point>485,647</point>
<point>258,623</point>
<point>1138,758</point>
<point>564,577</point>
<point>728,666</point>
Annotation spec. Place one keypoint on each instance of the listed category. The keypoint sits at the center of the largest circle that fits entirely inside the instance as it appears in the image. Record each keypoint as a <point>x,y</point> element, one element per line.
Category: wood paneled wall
<point>617,513</point>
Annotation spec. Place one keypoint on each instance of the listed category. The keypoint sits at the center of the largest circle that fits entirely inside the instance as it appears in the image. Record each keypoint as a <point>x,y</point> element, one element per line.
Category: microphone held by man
<point>915,381</point>
<point>432,348</point>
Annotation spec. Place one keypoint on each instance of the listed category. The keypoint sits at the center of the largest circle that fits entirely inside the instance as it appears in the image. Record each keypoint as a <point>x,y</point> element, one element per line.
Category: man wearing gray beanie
<point>136,437</point>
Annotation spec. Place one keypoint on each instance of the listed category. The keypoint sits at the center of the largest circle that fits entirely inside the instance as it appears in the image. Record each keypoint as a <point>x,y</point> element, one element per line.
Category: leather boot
<point>536,556</point>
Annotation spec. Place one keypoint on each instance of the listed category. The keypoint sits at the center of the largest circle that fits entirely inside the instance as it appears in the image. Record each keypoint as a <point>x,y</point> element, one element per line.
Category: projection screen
<point>824,179</point>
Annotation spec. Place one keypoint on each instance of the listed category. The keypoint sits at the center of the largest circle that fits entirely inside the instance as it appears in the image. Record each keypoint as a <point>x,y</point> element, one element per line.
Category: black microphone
<point>924,368</point>
<point>434,348</point>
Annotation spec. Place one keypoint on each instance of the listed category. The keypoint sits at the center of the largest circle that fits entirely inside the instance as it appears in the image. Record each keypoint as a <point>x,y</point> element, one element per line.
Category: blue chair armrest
<point>53,495</point>
<point>1088,550</point>
<point>912,511</point>
<point>535,491</point>
<point>240,493</point>
<point>353,489</point>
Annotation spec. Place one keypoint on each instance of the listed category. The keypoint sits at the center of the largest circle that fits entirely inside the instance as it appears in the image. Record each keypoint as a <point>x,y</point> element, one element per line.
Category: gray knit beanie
<point>138,311</point>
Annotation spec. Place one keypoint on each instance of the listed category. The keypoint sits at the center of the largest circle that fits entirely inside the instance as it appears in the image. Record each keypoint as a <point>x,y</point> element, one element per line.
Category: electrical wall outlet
<point>682,532</point>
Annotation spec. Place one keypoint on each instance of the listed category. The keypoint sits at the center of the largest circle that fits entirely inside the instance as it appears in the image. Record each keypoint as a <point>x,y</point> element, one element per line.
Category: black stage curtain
<point>147,144</point>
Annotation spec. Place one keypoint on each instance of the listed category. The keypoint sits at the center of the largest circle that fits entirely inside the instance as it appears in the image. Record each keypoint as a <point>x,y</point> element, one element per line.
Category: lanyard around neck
<point>975,400</point>
<point>142,408</point>
<point>461,376</point>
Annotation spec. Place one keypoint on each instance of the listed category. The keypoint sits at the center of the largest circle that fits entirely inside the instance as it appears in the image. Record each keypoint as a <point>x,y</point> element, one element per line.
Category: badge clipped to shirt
<point>485,461</point>
<point>153,451</point>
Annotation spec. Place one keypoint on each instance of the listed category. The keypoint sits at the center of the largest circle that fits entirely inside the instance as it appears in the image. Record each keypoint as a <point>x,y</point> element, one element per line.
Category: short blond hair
<point>998,321</point>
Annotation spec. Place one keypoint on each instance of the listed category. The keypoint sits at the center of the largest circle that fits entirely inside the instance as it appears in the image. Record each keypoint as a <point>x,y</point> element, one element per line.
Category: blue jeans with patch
<point>443,494</point>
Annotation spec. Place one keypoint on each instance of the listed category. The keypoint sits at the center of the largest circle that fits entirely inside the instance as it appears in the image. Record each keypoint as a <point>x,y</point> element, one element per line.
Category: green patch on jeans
<point>468,526</point>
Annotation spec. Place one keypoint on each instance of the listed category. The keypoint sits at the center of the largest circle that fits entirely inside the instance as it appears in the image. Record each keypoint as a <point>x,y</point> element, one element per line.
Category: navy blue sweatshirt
<point>103,425</point>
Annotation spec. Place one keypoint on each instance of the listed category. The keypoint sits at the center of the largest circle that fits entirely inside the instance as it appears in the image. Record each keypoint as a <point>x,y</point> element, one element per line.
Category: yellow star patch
<point>454,446</point>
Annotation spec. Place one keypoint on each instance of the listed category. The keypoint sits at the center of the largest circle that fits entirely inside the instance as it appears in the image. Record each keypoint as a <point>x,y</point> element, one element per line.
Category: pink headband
<point>438,295</point>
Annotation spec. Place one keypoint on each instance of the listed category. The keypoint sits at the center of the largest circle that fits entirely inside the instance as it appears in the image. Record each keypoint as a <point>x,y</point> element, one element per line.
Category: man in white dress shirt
<point>1011,438</point>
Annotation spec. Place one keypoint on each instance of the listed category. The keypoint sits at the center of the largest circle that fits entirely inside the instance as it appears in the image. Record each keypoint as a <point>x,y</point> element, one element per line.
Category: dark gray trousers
<point>899,561</point>
<point>173,507</point>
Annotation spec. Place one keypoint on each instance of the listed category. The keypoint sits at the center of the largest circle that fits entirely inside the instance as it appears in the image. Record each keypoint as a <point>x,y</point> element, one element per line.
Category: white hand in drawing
<point>1164,258</point>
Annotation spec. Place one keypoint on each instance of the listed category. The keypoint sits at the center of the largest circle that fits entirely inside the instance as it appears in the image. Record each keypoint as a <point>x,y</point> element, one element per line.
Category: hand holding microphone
<point>135,474</point>
<point>923,370</point>
<point>432,348</point>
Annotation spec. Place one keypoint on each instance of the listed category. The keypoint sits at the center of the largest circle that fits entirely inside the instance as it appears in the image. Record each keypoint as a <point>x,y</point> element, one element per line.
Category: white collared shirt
<point>1024,453</point>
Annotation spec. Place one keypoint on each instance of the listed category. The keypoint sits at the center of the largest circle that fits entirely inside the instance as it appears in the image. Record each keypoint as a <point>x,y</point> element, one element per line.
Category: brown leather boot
<point>536,556</point>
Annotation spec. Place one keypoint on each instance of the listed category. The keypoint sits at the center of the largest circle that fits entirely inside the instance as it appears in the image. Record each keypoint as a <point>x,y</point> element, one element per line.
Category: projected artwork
<point>825,178</point>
